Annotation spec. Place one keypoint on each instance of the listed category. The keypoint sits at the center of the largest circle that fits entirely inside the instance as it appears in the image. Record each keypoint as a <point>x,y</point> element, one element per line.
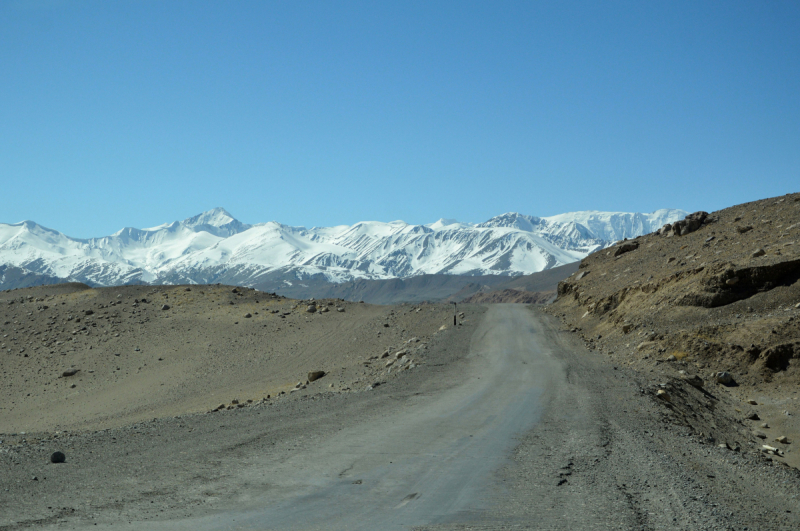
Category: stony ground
<point>722,298</point>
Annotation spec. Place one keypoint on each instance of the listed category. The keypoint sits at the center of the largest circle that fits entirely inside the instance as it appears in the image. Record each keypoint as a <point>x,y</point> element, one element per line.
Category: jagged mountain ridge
<point>216,247</point>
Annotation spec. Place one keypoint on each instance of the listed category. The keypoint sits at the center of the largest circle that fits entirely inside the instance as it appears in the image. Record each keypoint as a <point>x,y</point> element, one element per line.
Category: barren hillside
<point>75,357</point>
<point>717,293</point>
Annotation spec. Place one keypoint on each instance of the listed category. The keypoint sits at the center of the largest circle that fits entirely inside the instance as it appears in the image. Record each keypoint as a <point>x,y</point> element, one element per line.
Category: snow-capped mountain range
<point>215,247</point>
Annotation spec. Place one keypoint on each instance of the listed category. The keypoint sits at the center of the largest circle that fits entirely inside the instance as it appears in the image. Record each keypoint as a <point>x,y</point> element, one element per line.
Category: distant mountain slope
<point>215,247</point>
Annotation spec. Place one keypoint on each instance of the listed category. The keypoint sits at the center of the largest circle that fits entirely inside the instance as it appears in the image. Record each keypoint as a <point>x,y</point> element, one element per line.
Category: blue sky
<point>134,113</point>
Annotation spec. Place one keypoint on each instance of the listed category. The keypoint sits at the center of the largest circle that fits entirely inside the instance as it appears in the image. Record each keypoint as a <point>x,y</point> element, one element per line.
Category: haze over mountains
<point>215,247</point>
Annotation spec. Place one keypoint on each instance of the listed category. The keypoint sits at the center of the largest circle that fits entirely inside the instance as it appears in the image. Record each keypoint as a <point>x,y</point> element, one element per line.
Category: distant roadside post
<point>454,312</point>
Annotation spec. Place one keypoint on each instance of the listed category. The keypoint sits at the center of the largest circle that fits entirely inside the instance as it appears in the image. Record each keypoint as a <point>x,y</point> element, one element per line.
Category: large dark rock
<point>687,225</point>
<point>58,457</point>
<point>625,247</point>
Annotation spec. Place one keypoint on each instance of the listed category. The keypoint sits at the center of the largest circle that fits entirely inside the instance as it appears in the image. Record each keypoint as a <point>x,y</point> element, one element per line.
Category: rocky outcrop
<point>689,224</point>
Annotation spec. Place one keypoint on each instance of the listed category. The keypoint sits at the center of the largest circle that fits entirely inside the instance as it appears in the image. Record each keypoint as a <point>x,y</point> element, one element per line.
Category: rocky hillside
<point>511,295</point>
<point>713,301</point>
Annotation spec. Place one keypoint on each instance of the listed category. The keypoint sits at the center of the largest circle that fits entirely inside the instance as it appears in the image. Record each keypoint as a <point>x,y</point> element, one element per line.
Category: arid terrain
<point>221,407</point>
<point>724,297</point>
<point>144,352</point>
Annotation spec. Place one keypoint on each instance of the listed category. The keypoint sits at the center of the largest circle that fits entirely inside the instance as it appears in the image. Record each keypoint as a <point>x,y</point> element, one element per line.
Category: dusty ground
<point>137,361</point>
<point>602,453</point>
<point>725,297</point>
<point>139,441</point>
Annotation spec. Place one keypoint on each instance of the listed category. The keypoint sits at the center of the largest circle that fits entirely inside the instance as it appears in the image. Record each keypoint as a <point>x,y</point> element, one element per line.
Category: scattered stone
<point>315,375</point>
<point>732,281</point>
<point>235,401</point>
<point>339,309</point>
<point>645,345</point>
<point>58,457</point>
<point>311,308</point>
<point>662,395</point>
<point>386,325</point>
<point>69,372</point>
<point>390,363</point>
<point>760,434</point>
<point>765,426</point>
<point>752,402</point>
<point>165,307</point>
<point>753,416</point>
<point>724,378</point>
<point>626,328</point>
<point>247,315</point>
<point>671,357</point>
<point>782,439</point>
<point>443,327</point>
<point>742,230</point>
<point>758,252</point>
<point>400,353</point>
<point>88,312</point>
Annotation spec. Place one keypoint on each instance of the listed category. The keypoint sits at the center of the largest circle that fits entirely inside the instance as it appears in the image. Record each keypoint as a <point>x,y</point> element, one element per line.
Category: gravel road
<point>539,435</point>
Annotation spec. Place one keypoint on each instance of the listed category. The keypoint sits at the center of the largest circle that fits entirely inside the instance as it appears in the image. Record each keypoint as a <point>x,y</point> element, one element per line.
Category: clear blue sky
<point>134,113</point>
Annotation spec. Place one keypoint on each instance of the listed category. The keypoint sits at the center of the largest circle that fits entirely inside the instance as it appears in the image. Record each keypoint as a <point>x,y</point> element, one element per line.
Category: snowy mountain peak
<point>216,221</point>
<point>449,224</point>
<point>216,217</point>
<point>216,247</point>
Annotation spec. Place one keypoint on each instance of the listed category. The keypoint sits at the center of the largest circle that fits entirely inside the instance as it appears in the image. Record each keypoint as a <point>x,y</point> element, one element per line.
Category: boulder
<point>687,225</point>
<point>315,375</point>
<point>724,378</point>
<point>58,457</point>
<point>625,247</point>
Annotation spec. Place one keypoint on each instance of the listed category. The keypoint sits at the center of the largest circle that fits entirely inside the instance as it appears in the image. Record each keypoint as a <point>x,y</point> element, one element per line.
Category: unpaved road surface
<point>522,428</point>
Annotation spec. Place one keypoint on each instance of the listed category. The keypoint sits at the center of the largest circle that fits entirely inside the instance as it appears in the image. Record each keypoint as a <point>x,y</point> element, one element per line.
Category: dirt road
<point>444,462</point>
